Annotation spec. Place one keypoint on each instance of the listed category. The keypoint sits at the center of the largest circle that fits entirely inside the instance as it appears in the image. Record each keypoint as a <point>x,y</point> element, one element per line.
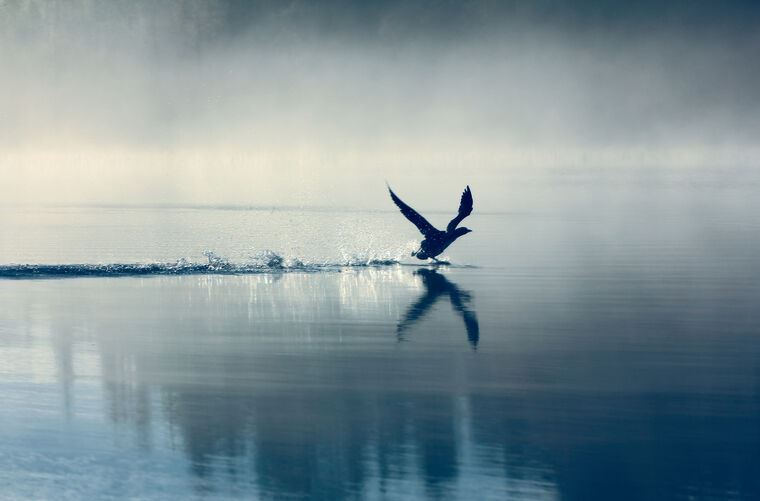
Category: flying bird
<point>435,240</point>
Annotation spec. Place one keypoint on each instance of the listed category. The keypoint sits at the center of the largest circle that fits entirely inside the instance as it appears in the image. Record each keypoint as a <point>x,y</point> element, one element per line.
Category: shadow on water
<point>437,285</point>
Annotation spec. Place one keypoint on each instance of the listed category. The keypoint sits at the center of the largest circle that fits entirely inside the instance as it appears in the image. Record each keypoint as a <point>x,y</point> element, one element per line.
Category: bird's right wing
<point>412,215</point>
<point>465,209</point>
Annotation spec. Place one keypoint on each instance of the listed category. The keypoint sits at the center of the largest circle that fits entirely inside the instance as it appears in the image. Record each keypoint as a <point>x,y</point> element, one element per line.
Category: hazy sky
<point>282,102</point>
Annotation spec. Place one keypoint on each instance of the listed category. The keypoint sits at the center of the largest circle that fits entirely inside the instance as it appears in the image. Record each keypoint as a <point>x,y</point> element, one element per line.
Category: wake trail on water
<point>265,262</point>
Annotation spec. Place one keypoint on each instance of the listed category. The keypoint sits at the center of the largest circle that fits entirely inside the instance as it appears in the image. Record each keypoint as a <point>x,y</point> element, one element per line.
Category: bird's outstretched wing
<point>412,215</point>
<point>465,209</point>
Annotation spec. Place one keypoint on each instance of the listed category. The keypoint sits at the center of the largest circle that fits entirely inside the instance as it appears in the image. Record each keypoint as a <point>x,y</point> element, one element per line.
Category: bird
<point>435,240</point>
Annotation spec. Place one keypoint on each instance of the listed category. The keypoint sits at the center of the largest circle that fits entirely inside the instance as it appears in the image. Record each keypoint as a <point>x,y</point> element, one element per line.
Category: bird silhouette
<point>435,240</point>
<point>436,285</point>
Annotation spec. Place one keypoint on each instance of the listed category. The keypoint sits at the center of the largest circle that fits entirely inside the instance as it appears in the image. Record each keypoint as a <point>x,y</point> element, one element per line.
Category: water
<point>602,345</point>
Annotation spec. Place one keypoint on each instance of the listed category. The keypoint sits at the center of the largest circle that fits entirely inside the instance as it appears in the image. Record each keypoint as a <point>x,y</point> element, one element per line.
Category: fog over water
<point>302,103</point>
<point>207,292</point>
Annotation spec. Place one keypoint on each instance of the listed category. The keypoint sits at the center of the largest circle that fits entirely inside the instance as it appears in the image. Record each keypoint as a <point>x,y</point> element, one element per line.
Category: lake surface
<point>600,346</point>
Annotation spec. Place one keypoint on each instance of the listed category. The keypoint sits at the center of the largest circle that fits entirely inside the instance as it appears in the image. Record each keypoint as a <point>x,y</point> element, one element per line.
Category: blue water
<point>592,347</point>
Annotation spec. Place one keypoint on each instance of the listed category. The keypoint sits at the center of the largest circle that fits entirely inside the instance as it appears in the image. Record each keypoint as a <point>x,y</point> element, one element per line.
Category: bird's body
<point>436,241</point>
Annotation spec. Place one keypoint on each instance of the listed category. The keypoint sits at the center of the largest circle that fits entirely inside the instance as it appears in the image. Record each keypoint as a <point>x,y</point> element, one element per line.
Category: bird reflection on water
<point>436,285</point>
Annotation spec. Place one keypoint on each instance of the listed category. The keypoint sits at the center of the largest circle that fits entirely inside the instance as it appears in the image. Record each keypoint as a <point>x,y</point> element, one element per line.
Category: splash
<point>372,257</point>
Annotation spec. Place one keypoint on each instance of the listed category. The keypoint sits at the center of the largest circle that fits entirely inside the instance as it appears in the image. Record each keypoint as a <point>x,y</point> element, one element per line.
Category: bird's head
<point>462,231</point>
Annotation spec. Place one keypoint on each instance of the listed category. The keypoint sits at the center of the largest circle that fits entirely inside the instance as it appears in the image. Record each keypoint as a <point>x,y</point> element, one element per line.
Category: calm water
<point>604,346</point>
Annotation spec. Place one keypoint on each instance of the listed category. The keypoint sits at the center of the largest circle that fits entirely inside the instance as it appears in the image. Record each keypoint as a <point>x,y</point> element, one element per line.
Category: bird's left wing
<point>412,215</point>
<point>465,209</point>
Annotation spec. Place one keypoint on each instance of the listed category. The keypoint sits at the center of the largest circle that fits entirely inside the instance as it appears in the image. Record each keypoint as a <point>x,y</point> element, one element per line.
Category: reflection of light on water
<point>480,471</point>
<point>376,288</point>
<point>351,293</point>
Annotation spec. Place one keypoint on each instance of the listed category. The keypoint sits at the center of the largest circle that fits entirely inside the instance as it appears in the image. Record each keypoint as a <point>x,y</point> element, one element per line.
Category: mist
<point>317,104</point>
